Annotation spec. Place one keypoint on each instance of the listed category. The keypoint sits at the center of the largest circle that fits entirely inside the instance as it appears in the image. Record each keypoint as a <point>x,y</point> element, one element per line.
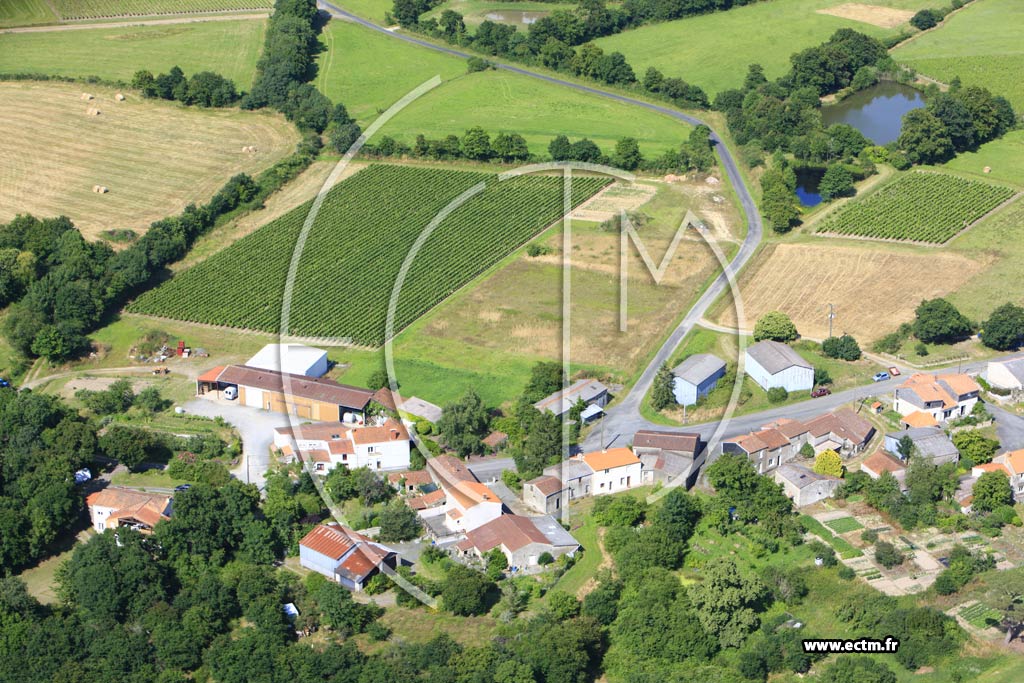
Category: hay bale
<point>119,97</point>
<point>93,111</point>
<point>100,189</point>
<point>249,149</point>
<point>86,96</point>
<point>987,169</point>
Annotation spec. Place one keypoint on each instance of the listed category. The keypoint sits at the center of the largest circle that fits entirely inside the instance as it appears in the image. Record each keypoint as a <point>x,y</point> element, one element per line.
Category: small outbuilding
<point>696,376</point>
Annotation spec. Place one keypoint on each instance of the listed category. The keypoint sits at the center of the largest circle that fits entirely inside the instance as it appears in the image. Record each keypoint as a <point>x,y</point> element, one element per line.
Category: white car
<point>231,393</point>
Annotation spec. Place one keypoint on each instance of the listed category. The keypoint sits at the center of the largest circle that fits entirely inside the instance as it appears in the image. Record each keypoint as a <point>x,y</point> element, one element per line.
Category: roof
<point>211,375</point>
<point>563,400</point>
<point>511,531</point>
<point>992,467</point>
<point>447,469</point>
<point>611,458</point>
<point>364,559</point>
<point>880,462</point>
<point>286,357</point>
<point>332,540</point>
<point>317,389</point>
<point>148,508</point>
<point>553,531</point>
<point>426,500</point>
<point>919,418</point>
<point>593,410</point>
<point>685,442</point>
<point>698,368</point>
<point>1015,366</point>
<point>961,383</point>
<point>946,389</point>
<point>412,477</point>
<point>800,476</point>
<point>844,423</point>
<point>931,442</point>
<point>670,463</point>
<point>420,408</point>
<point>391,430</point>
<point>775,356</point>
<point>1016,461</point>
<point>546,484</point>
<point>494,439</point>
<point>569,469</point>
<point>789,428</point>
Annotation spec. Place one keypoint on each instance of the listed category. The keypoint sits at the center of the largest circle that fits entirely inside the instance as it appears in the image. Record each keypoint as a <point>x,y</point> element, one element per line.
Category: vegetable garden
<point>92,9</point>
<point>919,207</point>
<point>354,251</point>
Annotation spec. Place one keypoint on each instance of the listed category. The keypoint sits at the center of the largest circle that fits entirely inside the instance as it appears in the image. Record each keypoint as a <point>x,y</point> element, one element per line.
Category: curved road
<point>623,419</point>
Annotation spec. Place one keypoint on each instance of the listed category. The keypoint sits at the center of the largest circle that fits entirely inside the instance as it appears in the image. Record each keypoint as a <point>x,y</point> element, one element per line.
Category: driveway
<point>255,426</point>
<point>490,469</point>
<point>1009,427</point>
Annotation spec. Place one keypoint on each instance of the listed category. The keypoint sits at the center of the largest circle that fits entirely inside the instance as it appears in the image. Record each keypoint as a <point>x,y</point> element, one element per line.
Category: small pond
<point>515,16</point>
<point>877,112</point>
<point>807,180</point>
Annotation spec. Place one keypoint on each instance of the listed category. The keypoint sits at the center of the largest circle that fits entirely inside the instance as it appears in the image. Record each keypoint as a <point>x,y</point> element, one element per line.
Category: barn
<point>294,359</point>
<point>773,364</point>
<point>696,376</point>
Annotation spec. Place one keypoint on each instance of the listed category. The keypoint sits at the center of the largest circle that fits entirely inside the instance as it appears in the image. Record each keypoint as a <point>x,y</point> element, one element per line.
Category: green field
<point>998,239</point>
<point>96,9</point>
<point>369,9</point>
<point>369,72</point>
<point>844,525</point>
<point>366,227</point>
<point>981,44</point>
<point>230,48</point>
<point>918,206</point>
<point>25,13</point>
<point>1004,157</point>
<point>714,50</point>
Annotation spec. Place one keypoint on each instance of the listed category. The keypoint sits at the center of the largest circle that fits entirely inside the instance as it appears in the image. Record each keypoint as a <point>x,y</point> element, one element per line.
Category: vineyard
<point>97,9</point>
<point>918,207</point>
<point>354,251</point>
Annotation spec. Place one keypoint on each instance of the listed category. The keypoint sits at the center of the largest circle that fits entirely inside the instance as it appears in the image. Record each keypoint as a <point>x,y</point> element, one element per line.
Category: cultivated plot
<point>95,9</point>
<point>153,157</point>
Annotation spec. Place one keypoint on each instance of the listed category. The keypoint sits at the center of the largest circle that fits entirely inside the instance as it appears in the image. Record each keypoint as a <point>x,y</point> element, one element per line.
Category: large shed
<point>294,359</point>
<point>696,376</point>
<point>773,364</point>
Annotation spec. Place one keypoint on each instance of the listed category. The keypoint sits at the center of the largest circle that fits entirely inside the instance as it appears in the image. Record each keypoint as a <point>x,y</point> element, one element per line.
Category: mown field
<point>154,157</point>
<point>1003,157</point>
<point>714,50</point>
<point>230,48</point>
<point>25,13</point>
<point>369,72</point>
<point>348,267</point>
<point>917,207</point>
<point>981,44</point>
<point>95,9</point>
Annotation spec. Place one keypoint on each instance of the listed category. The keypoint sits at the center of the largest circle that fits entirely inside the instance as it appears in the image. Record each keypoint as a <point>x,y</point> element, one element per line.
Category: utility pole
<point>831,317</point>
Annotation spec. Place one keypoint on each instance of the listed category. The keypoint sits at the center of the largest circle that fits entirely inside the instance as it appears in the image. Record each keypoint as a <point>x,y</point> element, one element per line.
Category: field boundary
<point>937,26</point>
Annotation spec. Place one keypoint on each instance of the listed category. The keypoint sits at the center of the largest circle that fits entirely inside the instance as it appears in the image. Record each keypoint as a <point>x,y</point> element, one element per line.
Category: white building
<point>773,364</point>
<point>695,377</point>
<point>294,359</point>
<point>1006,374</point>
<point>616,469</point>
<point>468,503</point>
<point>344,556</point>
<point>328,444</point>
<point>944,397</point>
<point>590,391</point>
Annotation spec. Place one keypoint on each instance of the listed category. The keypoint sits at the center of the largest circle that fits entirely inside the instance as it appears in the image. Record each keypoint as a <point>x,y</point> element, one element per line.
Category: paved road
<point>489,469</point>
<point>1009,427</point>
<point>255,426</point>
<point>625,415</point>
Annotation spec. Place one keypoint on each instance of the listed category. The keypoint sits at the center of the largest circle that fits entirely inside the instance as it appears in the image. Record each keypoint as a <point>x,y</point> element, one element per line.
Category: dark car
<point>820,391</point>
<point>182,487</point>
<point>4,383</point>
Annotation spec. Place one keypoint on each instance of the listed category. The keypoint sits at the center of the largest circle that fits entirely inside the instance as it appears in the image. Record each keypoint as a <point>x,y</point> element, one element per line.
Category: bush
<point>474,64</point>
<point>545,558</point>
<point>937,321</point>
<point>887,555</point>
<point>844,348</point>
<point>777,394</point>
<point>869,535</point>
<point>846,574</point>
<point>775,326</point>
<point>921,349</point>
<point>926,19</point>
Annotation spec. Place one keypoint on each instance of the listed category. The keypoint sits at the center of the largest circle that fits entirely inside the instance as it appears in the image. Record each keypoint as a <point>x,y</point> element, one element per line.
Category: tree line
<point>205,88</point>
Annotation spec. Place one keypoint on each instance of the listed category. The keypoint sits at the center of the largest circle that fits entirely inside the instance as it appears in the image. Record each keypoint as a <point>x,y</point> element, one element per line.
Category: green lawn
<point>714,50</point>
<point>981,44</point>
<point>25,13</point>
<point>230,48</point>
<point>152,479</point>
<point>843,525</point>
<point>369,9</point>
<point>1004,157</point>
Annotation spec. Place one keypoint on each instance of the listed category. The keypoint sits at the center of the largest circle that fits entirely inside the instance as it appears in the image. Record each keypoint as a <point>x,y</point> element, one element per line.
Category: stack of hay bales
<point>100,189</point>
<point>249,149</point>
<point>987,169</point>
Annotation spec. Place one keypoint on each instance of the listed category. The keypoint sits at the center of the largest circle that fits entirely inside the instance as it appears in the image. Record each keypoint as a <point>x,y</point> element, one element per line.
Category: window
<point>369,449</point>
<point>622,481</point>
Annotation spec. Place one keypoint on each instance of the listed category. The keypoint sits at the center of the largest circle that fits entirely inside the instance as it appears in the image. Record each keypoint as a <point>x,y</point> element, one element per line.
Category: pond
<point>516,16</point>
<point>807,180</point>
<point>877,112</point>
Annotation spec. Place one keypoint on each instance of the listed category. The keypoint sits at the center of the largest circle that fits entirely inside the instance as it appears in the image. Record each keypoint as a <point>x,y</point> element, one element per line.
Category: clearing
<point>714,50</point>
<point>519,14</point>
<point>155,157</point>
<point>346,260</point>
<point>886,17</point>
<point>981,44</point>
<point>229,48</point>
<point>102,9</point>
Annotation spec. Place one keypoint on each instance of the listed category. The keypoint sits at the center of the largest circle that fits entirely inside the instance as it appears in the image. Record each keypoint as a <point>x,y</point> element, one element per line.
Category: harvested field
<point>886,17</point>
<point>154,157</point>
<point>873,289</point>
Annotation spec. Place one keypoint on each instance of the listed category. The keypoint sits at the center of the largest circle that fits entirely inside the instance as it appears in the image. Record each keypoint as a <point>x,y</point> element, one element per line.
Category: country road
<point>623,419</point>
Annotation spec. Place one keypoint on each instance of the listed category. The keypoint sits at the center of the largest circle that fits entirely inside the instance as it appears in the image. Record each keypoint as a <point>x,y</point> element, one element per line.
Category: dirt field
<point>886,17</point>
<point>873,289</point>
<point>155,157</point>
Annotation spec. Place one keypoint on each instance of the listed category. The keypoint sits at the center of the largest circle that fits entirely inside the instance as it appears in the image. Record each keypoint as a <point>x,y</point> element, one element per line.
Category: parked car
<point>4,383</point>
<point>231,393</point>
<point>820,391</point>
<point>881,376</point>
<point>182,487</point>
<point>894,371</point>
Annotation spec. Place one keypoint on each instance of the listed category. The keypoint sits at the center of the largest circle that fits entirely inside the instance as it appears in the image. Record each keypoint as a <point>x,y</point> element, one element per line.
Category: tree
<point>662,391</point>
<point>624,510</point>
<point>1004,330</point>
<point>126,445</point>
<point>775,326</point>
<point>905,447</point>
<point>727,601</point>
<point>862,670</point>
<point>559,148</point>
<point>627,154</point>
<point>887,555</point>
<point>476,144</point>
<point>398,522</point>
<point>546,377</point>
<point>924,138</point>
<point>844,347</point>
<point>925,19</point>
<point>822,377</point>
<point>779,201</point>
<point>452,24</point>
<point>465,592</point>
<point>464,423</point>
<point>956,118</point>
<point>837,182</point>
<point>342,137</point>
<point>585,150</point>
<point>828,462</point>
<point>938,321</point>
<point>975,446</point>
<point>511,147</point>
<point>991,491</point>
<point>562,605</point>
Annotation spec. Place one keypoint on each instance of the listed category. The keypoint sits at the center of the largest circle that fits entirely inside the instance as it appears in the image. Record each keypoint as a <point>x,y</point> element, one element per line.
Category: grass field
<point>155,157</point>
<point>981,44</point>
<point>342,282</point>
<point>369,72</point>
<point>714,50</point>
<point>230,48</point>
<point>920,206</point>
<point>25,13</point>
<point>369,9</point>
<point>94,9</point>
<point>1005,158</point>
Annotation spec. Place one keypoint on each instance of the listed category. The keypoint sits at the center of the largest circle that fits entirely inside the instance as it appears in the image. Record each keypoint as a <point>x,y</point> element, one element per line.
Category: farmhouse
<point>878,463</point>
<point>116,507</point>
<point>343,555</point>
<point>842,430</point>
<point>805,486</point>
<point>410,481</point>
<point>1012,465</point>
<point>383,447</point>
<point>695,377</point>
<point>929,442</point>
<point>544,494</point>
<point>767,448</point>
<point>521,539</point>
<point>468,503</point>
<point>308,398</point>
<point>615,469</point>
<point>665,456</point>
<point>293,359</point>
<point>575,475</point>
<point>590,391</point>
<point>1006,374</point>
<point>943,397</point>
<point>773,364</point>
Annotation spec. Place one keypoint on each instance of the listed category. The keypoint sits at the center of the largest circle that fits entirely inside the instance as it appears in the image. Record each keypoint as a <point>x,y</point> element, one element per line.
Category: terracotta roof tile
<point>880,462</point>
<point>611,458</point>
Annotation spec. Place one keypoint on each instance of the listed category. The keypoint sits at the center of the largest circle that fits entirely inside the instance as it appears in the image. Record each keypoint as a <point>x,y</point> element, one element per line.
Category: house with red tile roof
<point>1012,465</point>
<point>380,447</point>
<point>115,507</point>
<point>344,556</point>
<point>942,396</point>
<point>545,494</point>
<point>521,539</point>
<point>468,503</point>
<point>880,462</point>
<point>615,469</point>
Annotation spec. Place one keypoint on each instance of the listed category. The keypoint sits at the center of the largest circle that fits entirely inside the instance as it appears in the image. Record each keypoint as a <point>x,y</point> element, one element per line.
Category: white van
<point>231,393</point>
